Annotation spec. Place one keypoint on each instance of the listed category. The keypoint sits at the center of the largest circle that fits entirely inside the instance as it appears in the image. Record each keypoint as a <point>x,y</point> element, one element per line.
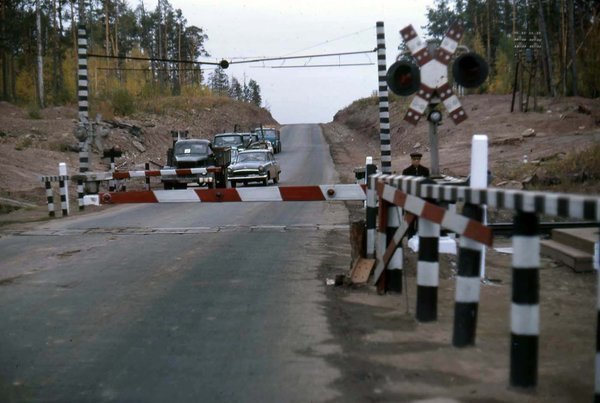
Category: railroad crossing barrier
<point>249,194</point>
<point>63,182</point>
<point>164,172</point>
<point>418,196</point>
<point>91,181</point>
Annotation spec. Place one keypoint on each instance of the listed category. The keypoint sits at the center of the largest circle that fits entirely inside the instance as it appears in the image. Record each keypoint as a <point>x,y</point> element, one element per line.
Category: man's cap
<point>415,154</point>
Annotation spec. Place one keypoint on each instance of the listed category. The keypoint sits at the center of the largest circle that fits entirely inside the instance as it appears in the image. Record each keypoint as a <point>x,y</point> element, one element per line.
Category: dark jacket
<point>416,171</point>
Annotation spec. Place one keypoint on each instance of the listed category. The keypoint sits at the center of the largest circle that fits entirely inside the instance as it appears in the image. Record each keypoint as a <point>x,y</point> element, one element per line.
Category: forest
<point>549,47</point>
<point>132,52</point>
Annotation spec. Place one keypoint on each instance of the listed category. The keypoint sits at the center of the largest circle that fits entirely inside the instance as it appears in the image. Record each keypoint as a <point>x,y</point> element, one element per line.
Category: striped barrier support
<point>392,247</point>
<point>524,316</point>
<point>82,96</point>
<point>80,194</point>
<point>63,196</point>
<point>428,270</point>
<point>384,108</point>
<point>525,310</point>
<point>147,168</point>
<point>164,172</point>
<point>467,284</point>
<point>62,181</point>
<point>251,194</point>
<point>371,215</point>
<point>395,265</point>
<point>382,243</point>
<point>49,198</point>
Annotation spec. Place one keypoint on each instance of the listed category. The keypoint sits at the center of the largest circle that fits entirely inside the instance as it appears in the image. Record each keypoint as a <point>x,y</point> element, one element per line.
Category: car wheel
<point>276,179</point>
<point>233,184</point>
<point>266,181</point>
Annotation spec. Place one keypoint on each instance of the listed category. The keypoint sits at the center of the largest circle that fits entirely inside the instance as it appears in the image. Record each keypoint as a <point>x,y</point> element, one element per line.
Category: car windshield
<point>248,157</point>
<point>268,134</point>
<point>191,148</point>
<point>231,141</point>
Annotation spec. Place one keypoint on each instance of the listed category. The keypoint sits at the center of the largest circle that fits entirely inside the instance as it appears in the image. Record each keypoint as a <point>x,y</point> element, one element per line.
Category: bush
<point>33,111</point>
<point>24,143</point>
<point>122,102</point>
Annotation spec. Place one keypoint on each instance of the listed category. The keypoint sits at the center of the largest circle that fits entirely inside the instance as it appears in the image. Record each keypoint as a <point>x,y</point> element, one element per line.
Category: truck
<point>270,134</point>
<point>190,154</point>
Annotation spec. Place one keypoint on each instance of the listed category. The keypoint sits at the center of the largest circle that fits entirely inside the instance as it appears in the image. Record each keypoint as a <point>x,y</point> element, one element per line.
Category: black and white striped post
<point>82,96</point>
<point>80,193</point>
<point>147,168</point>
<point>62,184</point>
<point>384,106</point>
<point>468,284</point>
<point>428,269</point>
<point>62,180</point>
<point>49,198</point>
<point>525,309</point>
<point>383,211</point>
<point>371,214</point>
<point>394,268</point>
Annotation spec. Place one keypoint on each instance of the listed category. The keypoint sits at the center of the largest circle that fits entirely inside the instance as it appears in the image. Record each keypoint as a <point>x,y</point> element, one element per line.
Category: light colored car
<point>254,166</point>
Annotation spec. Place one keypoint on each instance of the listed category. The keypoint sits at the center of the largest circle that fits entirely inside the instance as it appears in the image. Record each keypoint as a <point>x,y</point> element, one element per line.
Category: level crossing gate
<point>421,198</point>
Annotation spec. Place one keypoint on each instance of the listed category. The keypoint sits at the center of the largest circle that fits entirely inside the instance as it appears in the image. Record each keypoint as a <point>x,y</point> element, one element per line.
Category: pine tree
<point>219,82</point>
<point>235,90</point>
<point>254,90</point>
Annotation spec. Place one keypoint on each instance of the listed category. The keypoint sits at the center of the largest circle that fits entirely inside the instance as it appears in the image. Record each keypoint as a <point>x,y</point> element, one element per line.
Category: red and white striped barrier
<point>164,172</point>
<point>457,223</point>
<point>250,194</point>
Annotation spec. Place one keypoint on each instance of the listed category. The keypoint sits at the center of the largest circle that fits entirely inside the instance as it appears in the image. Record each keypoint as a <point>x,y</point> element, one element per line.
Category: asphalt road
<point>178,302</point>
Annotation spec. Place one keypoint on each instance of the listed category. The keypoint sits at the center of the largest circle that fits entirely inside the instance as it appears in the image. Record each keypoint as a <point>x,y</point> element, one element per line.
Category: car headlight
<point>229,170</point>
<point>261,169</point>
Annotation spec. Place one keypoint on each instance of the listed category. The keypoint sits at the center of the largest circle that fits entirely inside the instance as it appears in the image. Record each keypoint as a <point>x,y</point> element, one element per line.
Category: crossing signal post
<point>428,80</point>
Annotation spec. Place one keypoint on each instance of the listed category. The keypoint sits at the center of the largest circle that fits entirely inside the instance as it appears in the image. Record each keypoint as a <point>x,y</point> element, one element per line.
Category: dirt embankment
<point>30,148</point>
<point>558,126</point>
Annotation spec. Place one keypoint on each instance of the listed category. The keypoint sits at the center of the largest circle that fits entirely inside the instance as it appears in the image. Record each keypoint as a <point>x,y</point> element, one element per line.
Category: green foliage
<point>33,111</point>
<point>122,102</point>
<point>438,18</point>
<point>501,80</point>
<point>24,143</point>
<point>219,82</point>
<point>560,174</point>
<point>254,90</point>
<point>367,101</point>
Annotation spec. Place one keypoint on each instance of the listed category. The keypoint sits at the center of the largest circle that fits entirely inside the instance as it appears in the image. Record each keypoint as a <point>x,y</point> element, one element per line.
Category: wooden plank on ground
<point>362,270</point>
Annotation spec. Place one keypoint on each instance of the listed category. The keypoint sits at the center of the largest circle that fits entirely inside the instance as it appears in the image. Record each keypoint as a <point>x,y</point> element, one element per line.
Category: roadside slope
<point>30,147</point>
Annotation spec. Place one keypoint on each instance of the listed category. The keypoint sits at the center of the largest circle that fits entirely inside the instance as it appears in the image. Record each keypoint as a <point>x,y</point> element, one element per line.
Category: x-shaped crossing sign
<point>434,73</point>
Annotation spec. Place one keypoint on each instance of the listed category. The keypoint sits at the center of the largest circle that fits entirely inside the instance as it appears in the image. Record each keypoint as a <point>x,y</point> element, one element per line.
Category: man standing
<point>416,169</point>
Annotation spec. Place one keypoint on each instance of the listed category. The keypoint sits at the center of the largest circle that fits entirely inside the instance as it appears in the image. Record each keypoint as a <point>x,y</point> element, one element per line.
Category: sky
<point>239,29</point>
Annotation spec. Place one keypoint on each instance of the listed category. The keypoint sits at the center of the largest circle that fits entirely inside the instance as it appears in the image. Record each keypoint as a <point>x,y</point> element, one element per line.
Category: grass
<point>33,111</point>
<point>577,172</point>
